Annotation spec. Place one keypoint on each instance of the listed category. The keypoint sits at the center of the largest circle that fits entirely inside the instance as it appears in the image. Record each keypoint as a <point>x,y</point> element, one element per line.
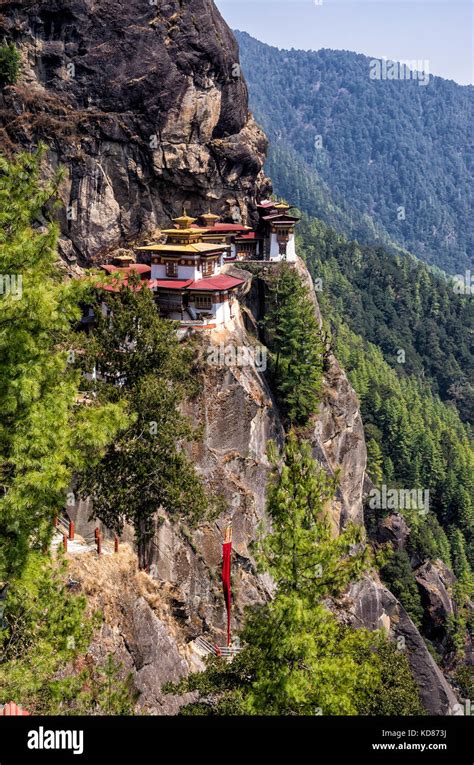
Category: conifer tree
<point>297,349</point>
<point>374,461</point>
<point>461,565</point>
<point>303,553</point>
<point>44,436</point>
<point>145,469</point>
<point>9,64</point>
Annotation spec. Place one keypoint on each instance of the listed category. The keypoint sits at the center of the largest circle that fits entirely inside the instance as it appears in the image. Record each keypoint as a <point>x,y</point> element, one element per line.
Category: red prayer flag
<point>226,556</point>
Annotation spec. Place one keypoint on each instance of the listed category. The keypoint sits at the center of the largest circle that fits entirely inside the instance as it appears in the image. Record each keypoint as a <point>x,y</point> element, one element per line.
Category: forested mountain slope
<point>414,316</point>
<point>380,160</point>
<point>405,339</point>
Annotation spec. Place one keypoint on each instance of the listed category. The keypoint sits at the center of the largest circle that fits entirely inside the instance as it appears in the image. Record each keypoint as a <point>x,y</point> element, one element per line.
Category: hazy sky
<point>440,31</point>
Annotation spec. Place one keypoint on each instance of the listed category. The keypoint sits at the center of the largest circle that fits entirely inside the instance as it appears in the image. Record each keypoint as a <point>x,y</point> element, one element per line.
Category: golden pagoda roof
<point>181,231</point>
<point>184,221</point>
<point>210,216</point>
<point>192,249</point>
<point>282,206</point>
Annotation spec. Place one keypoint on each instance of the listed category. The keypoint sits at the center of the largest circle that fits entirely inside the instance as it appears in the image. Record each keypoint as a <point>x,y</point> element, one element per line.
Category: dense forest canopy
<point>379,159</point>
<point>413,315</point>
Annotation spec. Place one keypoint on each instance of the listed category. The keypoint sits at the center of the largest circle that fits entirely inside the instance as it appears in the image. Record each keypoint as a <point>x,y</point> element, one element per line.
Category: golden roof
<point>193,249</point>
<point>184,221</point>
<point>124,258</point>
<point>282,206</point>
<point>210,217</point>
<point>182,231</point>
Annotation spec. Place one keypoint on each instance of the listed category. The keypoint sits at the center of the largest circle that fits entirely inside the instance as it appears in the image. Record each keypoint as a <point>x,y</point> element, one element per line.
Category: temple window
<point>171,268</point>
<point>208,268</point>
<point>203,301</point>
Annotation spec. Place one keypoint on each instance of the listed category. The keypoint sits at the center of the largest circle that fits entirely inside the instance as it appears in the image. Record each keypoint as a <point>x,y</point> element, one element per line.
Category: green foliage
<point>44,436</point>
<point>398,574</point>
<point>374,461</point>
<point>302,553</point>
<point>308,662</point>
<point>352,150</point>
<point>464,677</point>
<point>44,628</point>
<point>427,539</point>
<point>461,565</point>
<point>397,304</point>
<point>296,345</point>
<point>310,666</point>
<point>397,693</point>
<point>96,689</point>
<point>9,64</point>
<point>44,636</point>
<point>145,468</point>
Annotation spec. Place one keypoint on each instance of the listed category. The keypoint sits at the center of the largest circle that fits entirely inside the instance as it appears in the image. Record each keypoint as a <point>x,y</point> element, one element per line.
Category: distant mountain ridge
<point>383,161</point>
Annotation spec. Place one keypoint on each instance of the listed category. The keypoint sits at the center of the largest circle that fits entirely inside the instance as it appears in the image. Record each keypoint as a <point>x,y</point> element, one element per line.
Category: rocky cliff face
<point>368,603</point>
<point>142,103</point>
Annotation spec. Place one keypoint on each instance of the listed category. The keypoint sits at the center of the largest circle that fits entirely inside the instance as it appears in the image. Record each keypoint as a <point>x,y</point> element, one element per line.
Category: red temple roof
<point>250,235</point>
<point>170,284</point>
<point>117,285</point>
<point>138,268</point>
<point>216,283</point>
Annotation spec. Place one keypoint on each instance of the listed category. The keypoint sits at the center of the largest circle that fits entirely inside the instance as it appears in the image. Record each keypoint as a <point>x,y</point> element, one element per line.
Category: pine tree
<point>297,349</point>
<point>45,627</point>
<point>44,436</point>
<point>461,565</point>
<point>374,461</point>
<point>302,552</point>
<point>145,469</point>
<point>9,64</point>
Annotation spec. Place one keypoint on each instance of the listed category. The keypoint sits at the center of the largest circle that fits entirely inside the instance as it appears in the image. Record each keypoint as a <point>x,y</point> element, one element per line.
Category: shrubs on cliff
<point>138,358</point>
<point>43,629</point>
<point>398,575</point>
<point>296,368</point>
<point>44,635</point>
<point>9,64</point>
<point>396,692</point>
<point>298,659</point>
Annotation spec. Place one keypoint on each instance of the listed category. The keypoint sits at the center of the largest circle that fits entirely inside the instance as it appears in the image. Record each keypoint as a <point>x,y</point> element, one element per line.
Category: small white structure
<point>278,228</point>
